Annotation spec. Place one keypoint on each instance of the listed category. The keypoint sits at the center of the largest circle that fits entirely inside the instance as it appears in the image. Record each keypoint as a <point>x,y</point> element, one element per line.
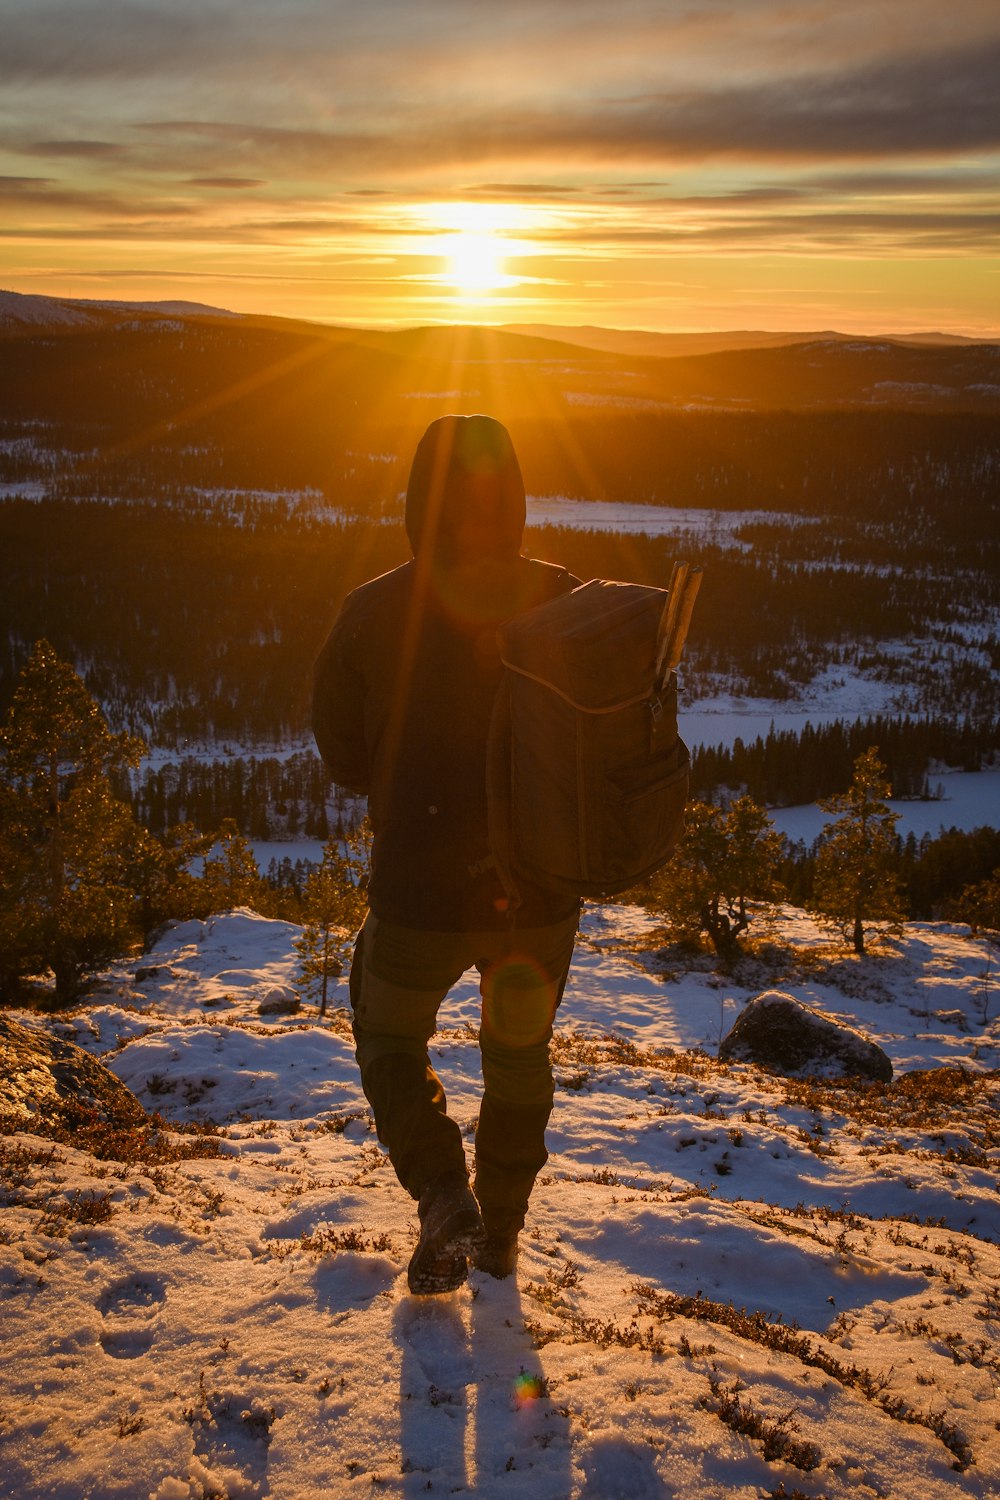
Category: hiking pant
<point>399,977</point>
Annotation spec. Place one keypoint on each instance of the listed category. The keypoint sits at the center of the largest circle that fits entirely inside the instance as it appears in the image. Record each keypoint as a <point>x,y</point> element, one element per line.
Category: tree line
<point>192,627</point>
<point>789,767</point>
<point>732,869</point>
<point>290,796</point>
<point>269,797</point>
<point>82,880</point>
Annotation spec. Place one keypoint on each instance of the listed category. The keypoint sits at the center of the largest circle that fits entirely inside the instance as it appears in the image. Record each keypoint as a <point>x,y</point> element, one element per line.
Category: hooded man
<point>404,693</point>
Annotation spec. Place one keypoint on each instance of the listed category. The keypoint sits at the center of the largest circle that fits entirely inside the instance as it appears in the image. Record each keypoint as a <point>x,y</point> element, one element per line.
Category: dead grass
<point>787,1339</point>
<point>150,1144</point>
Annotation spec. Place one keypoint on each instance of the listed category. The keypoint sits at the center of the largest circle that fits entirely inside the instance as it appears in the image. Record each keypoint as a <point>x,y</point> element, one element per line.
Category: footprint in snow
<point>128,1307</point>
<point>435,1337</point>
<point>617,1469</point>
<point>232,1434</point>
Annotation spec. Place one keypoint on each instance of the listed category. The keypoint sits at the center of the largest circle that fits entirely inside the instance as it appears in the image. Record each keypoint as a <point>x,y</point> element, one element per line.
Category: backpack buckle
<point>656,720</point>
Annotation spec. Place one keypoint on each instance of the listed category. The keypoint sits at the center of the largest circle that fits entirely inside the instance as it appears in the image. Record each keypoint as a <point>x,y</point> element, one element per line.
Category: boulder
<point>44,1077</point>
<point>279,1000</point>
<point>781,1035</point>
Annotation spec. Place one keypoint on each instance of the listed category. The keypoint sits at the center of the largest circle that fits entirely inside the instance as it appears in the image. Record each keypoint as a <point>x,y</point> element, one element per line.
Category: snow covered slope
<point>730,1284</point>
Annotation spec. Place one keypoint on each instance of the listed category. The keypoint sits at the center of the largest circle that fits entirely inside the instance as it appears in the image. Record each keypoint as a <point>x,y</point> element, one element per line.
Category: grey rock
<point>43,1077</point>
<point>782,1035</point>
<point>279,1000</point>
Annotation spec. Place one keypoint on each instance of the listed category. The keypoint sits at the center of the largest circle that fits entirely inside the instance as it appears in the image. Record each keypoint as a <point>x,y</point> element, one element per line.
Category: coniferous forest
<point>185,502</point>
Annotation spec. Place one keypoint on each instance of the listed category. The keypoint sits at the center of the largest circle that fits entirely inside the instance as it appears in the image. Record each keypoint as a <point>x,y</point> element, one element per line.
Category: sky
<point>663,164</point>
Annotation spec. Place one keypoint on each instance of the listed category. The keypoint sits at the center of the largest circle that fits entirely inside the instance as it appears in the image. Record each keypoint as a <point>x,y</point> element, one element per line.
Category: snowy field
<point>687,522</point>
<point>730,1285</point>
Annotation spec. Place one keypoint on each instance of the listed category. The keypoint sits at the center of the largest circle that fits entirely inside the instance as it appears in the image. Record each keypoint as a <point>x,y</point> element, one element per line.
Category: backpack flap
<point>595,646</point>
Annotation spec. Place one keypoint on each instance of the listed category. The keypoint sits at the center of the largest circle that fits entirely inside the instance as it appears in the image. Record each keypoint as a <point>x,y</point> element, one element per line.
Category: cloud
<point>947,104</point>
<point>96,149</point>
<point>227,182</point>
<point>506,190</point>
<point>81,40</point>
<point>46,195</point>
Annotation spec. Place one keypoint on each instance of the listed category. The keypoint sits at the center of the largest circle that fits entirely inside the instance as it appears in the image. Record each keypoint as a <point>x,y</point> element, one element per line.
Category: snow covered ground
<point>730,1284</point>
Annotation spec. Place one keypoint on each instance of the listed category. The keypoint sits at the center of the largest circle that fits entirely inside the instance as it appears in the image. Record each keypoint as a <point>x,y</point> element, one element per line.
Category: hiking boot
<point>451,1229</point>
<point>497,1256</point>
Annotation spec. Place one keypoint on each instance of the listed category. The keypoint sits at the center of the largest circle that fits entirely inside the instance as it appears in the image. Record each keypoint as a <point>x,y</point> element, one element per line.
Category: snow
<point>969,799</point>
<point>21,307</point>
<point>835,692</point>
<point>238,1325</point>
<point>708,525</point>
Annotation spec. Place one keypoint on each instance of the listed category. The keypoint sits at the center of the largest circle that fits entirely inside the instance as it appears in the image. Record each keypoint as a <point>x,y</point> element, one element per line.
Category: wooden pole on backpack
<point>675,622</point>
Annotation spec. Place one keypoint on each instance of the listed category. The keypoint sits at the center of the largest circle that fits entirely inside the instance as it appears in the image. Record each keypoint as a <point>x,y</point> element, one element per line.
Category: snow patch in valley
<point>716,526</point>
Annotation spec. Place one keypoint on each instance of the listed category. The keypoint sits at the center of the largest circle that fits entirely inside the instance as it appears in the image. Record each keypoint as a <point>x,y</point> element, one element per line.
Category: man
<point>404,693</point>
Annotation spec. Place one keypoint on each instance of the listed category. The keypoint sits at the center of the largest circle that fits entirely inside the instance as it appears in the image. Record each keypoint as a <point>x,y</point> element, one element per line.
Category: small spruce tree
<point>334,906</point>
<point>231,876</point>
<point>857,884</point>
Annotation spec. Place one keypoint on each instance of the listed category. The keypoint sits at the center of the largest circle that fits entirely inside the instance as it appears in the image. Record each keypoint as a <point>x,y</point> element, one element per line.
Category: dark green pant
<point>399,978</point>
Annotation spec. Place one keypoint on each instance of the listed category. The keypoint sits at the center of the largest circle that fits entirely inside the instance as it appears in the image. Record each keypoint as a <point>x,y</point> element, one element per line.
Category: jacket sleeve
<point>339,705</point>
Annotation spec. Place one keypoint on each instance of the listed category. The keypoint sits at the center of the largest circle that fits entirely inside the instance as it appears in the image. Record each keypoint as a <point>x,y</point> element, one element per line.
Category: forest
<point>197,626</point>
<point>95,856</point>
<point>184,503</point>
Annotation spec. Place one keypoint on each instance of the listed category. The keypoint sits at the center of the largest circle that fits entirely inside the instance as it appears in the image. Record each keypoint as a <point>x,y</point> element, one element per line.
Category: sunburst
<point>475,261</point>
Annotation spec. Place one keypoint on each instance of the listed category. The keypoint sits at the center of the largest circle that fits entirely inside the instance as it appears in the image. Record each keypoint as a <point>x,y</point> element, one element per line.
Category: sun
<point>473,241</point>
<point>475,261</point>
<point>475,253</point>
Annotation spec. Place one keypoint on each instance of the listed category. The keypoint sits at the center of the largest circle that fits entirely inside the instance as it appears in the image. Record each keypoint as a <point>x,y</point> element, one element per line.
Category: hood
<point>465,496</point>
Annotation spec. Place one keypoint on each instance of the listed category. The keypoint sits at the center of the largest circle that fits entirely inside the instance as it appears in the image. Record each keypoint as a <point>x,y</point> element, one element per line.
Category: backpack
<point>586,773</point>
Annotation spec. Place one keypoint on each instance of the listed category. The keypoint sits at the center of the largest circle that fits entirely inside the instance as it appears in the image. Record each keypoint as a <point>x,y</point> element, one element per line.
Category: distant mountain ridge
<point>101,361</point>
<point>671,345</point>
<point>37,310</point>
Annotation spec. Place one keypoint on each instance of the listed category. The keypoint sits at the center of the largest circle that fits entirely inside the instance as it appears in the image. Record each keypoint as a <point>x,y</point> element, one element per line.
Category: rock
<point>279,1000</point>
<point>781,1035</point>
<point>45,1077</point>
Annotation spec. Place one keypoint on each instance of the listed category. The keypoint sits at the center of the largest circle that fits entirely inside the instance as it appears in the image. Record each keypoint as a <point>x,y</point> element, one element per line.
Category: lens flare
<point>519,1002</point>
<point>528,1388</point>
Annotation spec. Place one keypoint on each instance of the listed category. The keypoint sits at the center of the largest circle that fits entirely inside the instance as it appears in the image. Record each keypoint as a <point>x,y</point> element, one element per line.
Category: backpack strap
<point>498,795</point>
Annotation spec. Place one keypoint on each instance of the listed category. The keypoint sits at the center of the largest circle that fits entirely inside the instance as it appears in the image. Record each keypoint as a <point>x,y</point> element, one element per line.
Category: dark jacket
<point>403,695</point>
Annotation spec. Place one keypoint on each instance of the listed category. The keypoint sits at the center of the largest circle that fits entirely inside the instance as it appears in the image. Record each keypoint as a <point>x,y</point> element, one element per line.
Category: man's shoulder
<point>378,592</point>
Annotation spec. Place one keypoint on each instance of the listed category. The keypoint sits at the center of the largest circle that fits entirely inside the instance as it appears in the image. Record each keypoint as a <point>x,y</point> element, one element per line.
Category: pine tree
<point>161,877</point>
<point>979,905</point>
<point>65,901</point>
<point>335,903</point>
<point>857,884</point>
<point>721,875</point>
<point>231,876</point>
